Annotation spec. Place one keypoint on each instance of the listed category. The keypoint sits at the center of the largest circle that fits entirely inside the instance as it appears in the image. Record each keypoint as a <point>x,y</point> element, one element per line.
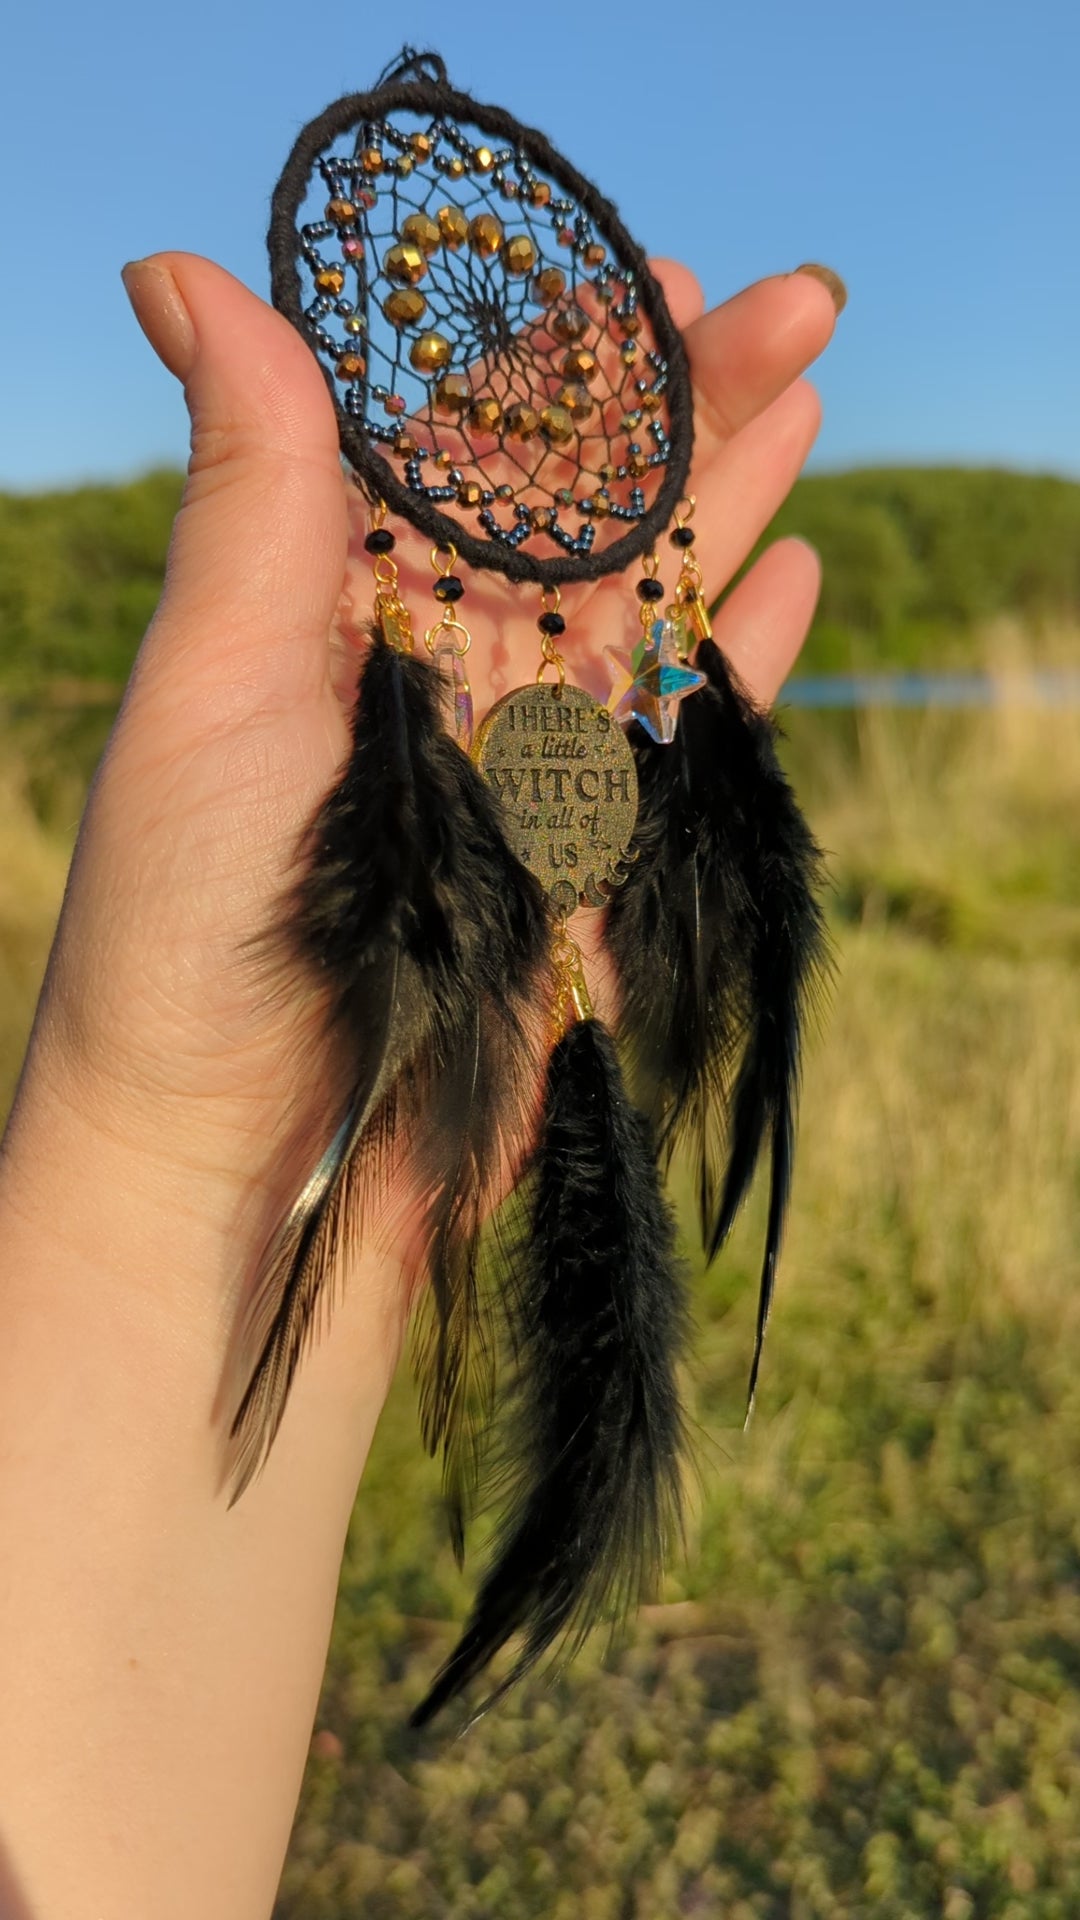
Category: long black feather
<point>720,945</point>
<point>596,1433</point>
<point>430,939</point>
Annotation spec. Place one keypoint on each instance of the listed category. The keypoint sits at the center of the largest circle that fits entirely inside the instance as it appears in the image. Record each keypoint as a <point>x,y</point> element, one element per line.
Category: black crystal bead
<point>448,588</point>
<point>552,624</point>
<point>682,536</point>
<point>380,540</point>
<point>650,590</point>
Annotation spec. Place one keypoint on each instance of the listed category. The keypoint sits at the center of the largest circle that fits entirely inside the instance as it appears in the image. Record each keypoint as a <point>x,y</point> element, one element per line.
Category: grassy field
<point>860,1694</point>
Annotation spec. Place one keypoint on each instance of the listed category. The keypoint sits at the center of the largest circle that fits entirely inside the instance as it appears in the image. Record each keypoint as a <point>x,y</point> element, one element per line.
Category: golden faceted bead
<point>421,145</point>
<point>351,366</point>
<point>453,393</point>
<point>485,416</point>
<point>548,285</point>
<point>637,466</point>
<point>543,519</point>
<point>444,457</point>
<point>539,194</point>
<point>330,279</point>
<point>606,474</point>
<point>420,230</point>
<point>600,507</point>
<point>453,226</point>
<point>404,307</point>
<point>430,353</point>
<point>405,446</point>
<point>521,421</point>
<point>470,494</point>
<point>485,235</point>
<point>652,402</point>
<point>405,264</point>
<point>354,323</point>
<point>570,323</point>
<point>456,167</point>
<point>403,166</point>
<point>371,160</point>
<point>558,425</point>
<point>630,323</point>
<point>594,254</point>
<point>631,420</point>
<point>341,212</point>
<point>576,398</point>
<point>580,364</point>
<point>483,159</point>
<point>520,254</point>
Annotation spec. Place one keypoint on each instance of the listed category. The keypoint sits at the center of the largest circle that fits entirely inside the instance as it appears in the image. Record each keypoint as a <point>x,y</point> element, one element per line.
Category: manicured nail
<point>830,281</point>
<point>161,313</point>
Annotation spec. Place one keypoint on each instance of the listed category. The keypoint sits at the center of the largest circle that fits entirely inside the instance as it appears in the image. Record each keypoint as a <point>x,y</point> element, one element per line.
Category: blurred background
<point>860,1693</point>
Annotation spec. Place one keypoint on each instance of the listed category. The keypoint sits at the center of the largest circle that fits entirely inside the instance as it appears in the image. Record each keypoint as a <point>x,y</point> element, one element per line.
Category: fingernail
<point>830,281</point>
<point>161,313</point>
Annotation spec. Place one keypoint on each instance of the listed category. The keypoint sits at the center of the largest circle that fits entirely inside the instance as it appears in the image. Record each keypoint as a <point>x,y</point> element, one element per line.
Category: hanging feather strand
<point>432,941</point>
<point>598,1326</point>
<point>720,945</point>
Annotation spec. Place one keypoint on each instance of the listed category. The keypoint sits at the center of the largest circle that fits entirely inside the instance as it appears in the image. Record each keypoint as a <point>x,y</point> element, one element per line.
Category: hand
<point>168,1099</point>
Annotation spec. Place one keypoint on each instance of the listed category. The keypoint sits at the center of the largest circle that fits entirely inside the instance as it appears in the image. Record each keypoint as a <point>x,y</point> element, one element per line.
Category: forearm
<point>160,1655</point>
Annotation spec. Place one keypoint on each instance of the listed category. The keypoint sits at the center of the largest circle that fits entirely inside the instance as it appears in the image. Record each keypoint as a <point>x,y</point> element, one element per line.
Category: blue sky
<point>927,149</point>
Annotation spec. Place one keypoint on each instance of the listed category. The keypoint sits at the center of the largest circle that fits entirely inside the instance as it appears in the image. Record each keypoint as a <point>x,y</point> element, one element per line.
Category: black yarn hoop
<point>434,96</point>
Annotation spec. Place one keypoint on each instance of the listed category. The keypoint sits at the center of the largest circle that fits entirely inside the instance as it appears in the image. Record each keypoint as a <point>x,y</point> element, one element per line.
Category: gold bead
<point>548,285</point>
<point>520,254</point>
<point>405,446</point>
<point>351,366</point>
<point>637,466</point>
<point>421,145</point>
<point>576,398</point>
<point>420,230</point>
<point>354,323</point>
<point>580,364</point>
<point>341,212</point>
<point>470,494</point>
<point>330,280</point>
<point>371,160</point>
<point>558,425</point>
<point>652,402</point>
<point>631,420</point>
<point>570,323</point>
<point>539,194</point>
<point>483,159</point>
<point>404,264</point>
<point>600,507</point>
<point>456,167</point>
<point>485,416</point>
<point>453,393</point>
<point>630,323</point>
<point>543,519</point>
<point>403,165</point>
<point>594,254</point>
<point>521,421</point>
<point>453,226</point>
<point>485,235</point>
<point>606,474</point>
<point>404,307</point>
<point>430,353</point>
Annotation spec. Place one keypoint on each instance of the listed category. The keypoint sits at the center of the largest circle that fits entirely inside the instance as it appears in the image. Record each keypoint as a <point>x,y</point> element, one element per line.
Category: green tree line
<point>914,558</point>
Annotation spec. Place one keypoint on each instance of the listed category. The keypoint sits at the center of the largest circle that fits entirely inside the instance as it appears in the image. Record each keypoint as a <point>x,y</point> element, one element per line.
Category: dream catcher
<point>508,380</point>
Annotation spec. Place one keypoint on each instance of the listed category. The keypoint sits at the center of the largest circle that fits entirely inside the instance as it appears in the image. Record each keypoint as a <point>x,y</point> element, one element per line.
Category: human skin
<point>161,1654</point>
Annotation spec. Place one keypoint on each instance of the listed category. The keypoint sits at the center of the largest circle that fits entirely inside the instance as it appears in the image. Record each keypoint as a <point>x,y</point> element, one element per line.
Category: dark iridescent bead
<point>448,589</point>
<point>682,536</point>
<point>380,540</point>
<point>552,623</point>
<point>650,589</point>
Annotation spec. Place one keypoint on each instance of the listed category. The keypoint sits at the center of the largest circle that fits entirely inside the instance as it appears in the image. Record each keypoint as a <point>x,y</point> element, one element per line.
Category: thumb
<point>258,550</point>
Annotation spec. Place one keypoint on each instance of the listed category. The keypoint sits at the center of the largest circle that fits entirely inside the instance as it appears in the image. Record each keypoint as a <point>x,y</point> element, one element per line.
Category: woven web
<point>507,367</point>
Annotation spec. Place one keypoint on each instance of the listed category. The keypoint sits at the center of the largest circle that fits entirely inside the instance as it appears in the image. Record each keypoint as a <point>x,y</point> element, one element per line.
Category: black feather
<point>719,941</point>
<point>430,939</point>
<point>596,1434</point>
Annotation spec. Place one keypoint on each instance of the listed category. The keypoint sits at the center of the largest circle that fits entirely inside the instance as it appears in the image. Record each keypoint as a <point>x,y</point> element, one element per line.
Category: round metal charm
<point>564,773</point>
<point>504,367</point>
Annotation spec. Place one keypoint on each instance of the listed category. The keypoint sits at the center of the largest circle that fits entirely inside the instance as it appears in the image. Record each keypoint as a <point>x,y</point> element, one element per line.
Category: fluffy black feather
<point>719,942</point>
<point>596,1434</point>
<point>429,938</point>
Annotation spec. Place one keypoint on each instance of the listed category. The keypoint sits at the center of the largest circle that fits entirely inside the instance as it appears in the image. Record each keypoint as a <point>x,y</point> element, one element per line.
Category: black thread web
<point>575,376</point>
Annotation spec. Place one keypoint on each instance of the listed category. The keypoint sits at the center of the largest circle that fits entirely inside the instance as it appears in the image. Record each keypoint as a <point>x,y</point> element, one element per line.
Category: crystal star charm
<point>649,686</point>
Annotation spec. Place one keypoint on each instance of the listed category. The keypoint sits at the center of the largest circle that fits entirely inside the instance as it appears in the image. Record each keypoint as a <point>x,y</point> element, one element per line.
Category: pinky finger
<point>762,624</point>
